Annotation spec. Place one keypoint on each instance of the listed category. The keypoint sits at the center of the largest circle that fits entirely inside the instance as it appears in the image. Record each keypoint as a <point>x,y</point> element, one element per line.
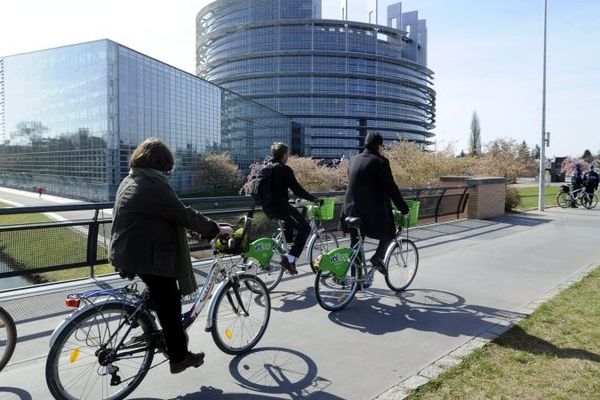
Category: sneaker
<point>290,267</point>
<point>190,360</point>
<point>378,265</point>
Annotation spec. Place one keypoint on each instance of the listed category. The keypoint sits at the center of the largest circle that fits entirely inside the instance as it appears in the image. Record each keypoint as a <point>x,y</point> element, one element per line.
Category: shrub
<point>512,199</point>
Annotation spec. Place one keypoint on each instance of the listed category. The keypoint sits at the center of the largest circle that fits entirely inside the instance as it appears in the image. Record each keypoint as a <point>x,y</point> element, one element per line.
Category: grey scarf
<point>185,272</point>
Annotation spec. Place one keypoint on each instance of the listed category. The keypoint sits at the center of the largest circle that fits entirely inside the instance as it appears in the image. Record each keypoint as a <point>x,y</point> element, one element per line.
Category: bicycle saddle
<point>353,222</point>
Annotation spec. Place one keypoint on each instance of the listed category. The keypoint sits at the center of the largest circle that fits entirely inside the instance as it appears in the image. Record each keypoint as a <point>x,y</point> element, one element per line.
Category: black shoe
<point>378,264</point>
<point>574,206</point>
<point>190,360</point>
<point>289,266</point>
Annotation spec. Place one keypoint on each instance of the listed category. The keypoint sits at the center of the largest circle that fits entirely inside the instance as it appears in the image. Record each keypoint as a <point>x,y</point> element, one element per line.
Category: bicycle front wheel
<point>320,242</point>
<point>335,293</point>
<point>8,337</point>
<point>85,361</point>
<point>563,200</point>
<point>402,261</point>
<point>589,200</point>
<point>241,314</point>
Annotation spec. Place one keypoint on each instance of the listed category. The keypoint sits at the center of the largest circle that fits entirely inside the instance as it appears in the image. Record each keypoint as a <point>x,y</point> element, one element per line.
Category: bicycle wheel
<point>320,242</point>
<point>8,337</point>
<point>588,200</point>
<point>335,293</point>
<point>270,274</point>
<point>241,314</point>
<point>83,364</point>
<point>402,262</point>
<point>563,200</point>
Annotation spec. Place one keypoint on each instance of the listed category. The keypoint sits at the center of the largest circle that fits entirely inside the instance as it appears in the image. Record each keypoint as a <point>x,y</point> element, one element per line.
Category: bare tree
<point>475,136</point>
<point>217,172</point>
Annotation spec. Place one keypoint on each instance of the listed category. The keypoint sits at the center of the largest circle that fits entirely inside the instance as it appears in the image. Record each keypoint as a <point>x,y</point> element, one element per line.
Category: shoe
<point>378,264</point>
<point>190,360</point>
<point>289,266</point>
<point>574,206</point>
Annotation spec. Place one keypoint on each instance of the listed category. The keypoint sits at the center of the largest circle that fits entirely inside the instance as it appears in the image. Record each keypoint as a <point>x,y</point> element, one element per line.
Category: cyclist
<point>282,180</point>
<point>148,238</point>
<point>576,182</point>
<point>590,180</point>
<point>370,188</point>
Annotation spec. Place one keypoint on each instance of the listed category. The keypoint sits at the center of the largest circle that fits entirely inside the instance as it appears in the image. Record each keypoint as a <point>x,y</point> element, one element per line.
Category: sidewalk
<point>473,275</point>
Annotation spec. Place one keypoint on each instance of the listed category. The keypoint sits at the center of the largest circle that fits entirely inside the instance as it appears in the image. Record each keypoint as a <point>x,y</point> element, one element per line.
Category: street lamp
<point>543,144</point>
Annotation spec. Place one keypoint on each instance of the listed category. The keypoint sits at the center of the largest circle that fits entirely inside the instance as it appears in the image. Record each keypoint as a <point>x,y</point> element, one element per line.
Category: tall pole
<point>543,146</point>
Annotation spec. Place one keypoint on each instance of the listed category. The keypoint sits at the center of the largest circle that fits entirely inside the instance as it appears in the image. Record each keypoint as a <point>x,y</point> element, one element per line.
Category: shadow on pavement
<point>18,393</point>
<point>423,310</point>
<point>293,301</point>
<point>517,339</point>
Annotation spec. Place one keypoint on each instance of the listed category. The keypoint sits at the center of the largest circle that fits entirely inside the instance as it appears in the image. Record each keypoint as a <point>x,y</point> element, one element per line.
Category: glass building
<point>71,116</point>
<point>337,78</point>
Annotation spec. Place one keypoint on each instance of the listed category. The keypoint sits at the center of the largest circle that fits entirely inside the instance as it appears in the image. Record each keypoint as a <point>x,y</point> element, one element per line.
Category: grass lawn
<point>37,248</point>
<point>553,354</point>
<point>529,196</point>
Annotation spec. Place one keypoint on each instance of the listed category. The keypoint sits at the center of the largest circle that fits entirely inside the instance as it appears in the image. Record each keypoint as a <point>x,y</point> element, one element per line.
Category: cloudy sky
<point>486,54</point>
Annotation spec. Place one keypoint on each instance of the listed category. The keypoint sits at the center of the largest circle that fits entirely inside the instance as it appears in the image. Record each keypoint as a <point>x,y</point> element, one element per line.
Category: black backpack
<point>260,186</point>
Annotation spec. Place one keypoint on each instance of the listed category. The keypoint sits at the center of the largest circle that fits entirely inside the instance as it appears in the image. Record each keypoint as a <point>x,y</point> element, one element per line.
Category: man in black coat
<point>282,180</point>
<point>371,186</point>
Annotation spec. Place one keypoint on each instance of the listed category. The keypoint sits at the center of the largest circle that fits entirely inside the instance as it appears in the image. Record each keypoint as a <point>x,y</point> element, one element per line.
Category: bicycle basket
<point>564,188</point>
<point>337,261</point>
<point>237,244</point>
<point>409,220</point>
<point>324,212</point>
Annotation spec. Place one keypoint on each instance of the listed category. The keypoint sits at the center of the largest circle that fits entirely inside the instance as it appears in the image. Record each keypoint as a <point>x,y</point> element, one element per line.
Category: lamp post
<point>543,144</point>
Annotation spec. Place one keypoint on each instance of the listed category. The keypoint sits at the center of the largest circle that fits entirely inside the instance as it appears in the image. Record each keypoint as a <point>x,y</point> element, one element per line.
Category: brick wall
<point>486,195</point>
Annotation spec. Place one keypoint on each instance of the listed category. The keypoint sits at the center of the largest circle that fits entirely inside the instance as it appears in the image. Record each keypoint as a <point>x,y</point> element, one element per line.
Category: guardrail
<point>61,237</point>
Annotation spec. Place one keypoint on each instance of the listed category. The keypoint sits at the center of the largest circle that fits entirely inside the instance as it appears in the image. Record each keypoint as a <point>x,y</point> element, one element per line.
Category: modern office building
<point>337,78</point>
<point>71,116</point>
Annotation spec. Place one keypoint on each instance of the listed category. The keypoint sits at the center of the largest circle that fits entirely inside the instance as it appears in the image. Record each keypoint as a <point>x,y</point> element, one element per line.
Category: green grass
<point>553,354</point>
<point>38,248</point>
<point>529,196</point>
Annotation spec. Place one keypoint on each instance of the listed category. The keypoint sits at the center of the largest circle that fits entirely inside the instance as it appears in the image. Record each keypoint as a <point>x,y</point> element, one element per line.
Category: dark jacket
<point>370,188</point>
<point>591,181</point>
<point>577,179</point>
<point>146,216</point>
<point>282,180</point>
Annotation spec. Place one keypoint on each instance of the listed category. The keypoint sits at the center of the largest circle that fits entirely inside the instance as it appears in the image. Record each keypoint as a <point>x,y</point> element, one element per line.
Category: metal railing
<point>61,237</point>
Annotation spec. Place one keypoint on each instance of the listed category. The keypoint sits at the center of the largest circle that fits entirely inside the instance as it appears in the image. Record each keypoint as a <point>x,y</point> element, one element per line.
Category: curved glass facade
<point>338,79</point>
<point>71,116</point>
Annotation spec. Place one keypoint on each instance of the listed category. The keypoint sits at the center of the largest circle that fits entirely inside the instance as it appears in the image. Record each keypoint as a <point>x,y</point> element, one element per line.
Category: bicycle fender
<point>64,323</point>
<point>211,307</point>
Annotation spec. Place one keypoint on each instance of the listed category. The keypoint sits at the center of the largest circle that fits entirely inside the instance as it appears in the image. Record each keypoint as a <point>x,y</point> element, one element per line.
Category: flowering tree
<point>569,163</point>
<point>217,172</point>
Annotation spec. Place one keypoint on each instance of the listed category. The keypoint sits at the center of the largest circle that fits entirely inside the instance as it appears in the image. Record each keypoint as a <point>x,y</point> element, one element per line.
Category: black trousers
<point>166,300</point>
<point>293,221</point>
<point>381,247</point>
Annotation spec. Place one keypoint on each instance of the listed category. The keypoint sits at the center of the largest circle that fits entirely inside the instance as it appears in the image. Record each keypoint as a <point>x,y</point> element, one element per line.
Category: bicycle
<point>566,197</point>
<point>104,349</point>
<point>258,258</point>
<point>343,270</point>
<point>8,337</point>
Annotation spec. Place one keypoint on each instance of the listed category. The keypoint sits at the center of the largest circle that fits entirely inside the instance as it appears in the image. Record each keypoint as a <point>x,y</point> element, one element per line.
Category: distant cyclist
<point>576,182</point>
<point>590,180</point>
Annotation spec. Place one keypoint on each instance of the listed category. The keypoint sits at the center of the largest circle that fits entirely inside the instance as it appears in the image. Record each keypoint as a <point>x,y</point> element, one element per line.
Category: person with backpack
<point>276,179</point>
<point>576,182</point>
<point>590,180</point>
<point>371,191</point>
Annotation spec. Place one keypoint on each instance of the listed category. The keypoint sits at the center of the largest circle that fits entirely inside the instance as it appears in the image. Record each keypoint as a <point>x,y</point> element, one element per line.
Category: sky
<point>486,54</point>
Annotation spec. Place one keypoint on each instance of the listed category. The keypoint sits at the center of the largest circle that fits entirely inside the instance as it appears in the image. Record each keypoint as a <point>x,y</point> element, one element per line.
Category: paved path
<point>472,275</point>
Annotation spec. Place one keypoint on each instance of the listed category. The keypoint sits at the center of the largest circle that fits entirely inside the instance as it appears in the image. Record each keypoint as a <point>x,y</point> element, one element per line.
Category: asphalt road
<point>472,275</point>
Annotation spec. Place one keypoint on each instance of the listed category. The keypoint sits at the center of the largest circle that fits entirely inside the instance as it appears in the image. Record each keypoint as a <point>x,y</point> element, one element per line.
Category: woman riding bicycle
<point>149,238</point>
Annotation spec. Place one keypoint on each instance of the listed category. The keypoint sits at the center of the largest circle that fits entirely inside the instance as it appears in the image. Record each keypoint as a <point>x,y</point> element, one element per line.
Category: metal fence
<point>76,236</point>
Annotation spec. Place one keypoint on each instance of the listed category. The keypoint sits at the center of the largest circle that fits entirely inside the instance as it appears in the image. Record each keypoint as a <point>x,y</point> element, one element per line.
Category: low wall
<point>487,195</point>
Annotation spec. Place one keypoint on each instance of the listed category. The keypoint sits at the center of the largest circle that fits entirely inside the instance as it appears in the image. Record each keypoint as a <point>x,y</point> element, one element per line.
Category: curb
<point>455,357</point>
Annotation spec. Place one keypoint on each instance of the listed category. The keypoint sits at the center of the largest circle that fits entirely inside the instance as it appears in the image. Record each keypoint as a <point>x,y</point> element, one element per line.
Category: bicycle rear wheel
<point>8,337</point>
<point>335,293</point>
<point>241,314</point>
<point>320,242</point>
<point>563,200</point>
<point>81,363</point>
<point>402,262</point>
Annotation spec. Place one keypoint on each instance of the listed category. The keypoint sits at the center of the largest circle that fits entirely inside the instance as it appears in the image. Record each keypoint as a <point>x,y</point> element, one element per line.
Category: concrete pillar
<point>487,195</point>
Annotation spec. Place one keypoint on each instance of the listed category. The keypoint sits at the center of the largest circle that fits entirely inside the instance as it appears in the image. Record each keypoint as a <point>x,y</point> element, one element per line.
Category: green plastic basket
<point>409,220</point>
<point>324,212</point>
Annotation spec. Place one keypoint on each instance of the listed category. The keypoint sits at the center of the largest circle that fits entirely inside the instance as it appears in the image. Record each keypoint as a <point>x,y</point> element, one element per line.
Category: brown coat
<point>146,215</point>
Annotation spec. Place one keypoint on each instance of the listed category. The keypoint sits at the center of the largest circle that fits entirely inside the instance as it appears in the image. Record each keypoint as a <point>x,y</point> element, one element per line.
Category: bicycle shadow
<point>287,301</point>
<point>20,394</point>
<point>377,312</point>
<point>271,372</point>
